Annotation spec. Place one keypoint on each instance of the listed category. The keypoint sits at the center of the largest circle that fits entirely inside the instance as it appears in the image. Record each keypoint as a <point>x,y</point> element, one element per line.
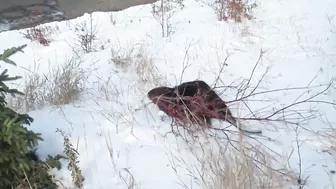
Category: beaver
<point>193,101</point>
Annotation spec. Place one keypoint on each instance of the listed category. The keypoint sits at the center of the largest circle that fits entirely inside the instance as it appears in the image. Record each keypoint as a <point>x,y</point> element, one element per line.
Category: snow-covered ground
<point>124,133</point>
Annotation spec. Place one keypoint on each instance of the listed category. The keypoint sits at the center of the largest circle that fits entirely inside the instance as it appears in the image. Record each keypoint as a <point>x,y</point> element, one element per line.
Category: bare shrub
<point>41,34</point>
<point>86,34</point>
<point>233,10</point>
<point>163,11</point>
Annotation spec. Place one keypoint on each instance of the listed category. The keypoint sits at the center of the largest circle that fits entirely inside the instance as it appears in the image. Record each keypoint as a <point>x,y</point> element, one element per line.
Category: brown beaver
<point>193,101</point>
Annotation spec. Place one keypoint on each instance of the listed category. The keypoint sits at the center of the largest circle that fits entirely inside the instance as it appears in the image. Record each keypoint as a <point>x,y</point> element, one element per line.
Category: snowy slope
<point>298,41</point>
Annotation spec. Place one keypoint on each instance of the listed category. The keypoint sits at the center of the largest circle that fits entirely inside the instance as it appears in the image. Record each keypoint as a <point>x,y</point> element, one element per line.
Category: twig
<point>185,62</point>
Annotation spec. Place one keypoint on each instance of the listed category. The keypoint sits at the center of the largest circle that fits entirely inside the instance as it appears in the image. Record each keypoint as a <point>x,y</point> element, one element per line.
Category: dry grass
<point>122,57</point>
<point>135,59</point>
<point>61,85</point>
<point>327,141</point>
<point>109,90</point>
<point>230,164</point>
<point>328,138</point>
<point>72,154</point>
<point>66,83</point>
<point>227,160</point>
<point>332,137</point>
<point>146,69</point>
<point>124,175</point>
<point>244,169</point>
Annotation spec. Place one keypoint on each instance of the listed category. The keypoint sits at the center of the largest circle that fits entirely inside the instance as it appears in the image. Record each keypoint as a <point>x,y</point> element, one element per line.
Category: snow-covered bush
<point>163,11</point>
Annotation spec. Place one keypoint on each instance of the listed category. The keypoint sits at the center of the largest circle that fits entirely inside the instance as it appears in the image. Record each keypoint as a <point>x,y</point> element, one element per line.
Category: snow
<point>298,41</point>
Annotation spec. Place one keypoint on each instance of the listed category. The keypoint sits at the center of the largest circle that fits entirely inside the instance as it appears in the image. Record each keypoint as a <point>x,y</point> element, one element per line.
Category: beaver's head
<point>158,92</point>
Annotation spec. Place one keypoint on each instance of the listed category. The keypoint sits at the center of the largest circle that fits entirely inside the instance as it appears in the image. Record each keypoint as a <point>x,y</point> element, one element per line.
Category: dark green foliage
<point>19,165</point>
<point>38,175</point>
